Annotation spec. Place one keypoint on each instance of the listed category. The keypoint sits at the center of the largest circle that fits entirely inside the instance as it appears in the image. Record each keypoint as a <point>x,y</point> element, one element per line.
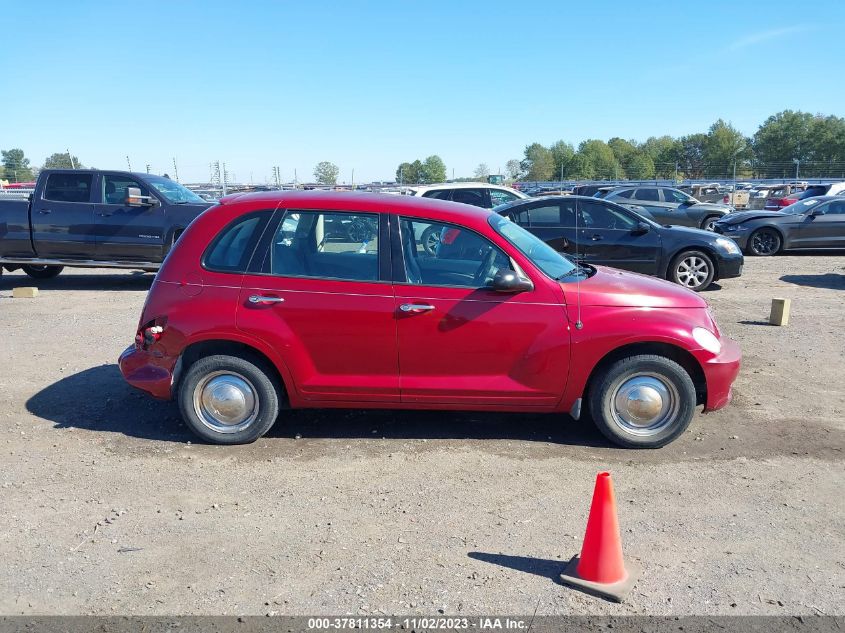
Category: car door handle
<point>258,299</point>
<point>596,238</point>
<point>45,211</point>
<point>416,308</point>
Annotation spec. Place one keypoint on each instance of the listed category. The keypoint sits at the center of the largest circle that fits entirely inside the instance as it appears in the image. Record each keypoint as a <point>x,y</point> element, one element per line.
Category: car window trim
<point>256,240</point>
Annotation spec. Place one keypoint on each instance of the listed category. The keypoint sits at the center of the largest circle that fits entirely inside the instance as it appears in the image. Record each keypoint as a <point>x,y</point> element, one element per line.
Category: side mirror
<point>642,228</point>
<point>135,199</point>
<point>509,281</point>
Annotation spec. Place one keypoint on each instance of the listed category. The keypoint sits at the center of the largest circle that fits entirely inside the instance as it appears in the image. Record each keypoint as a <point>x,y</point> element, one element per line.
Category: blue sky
<point>368,85</point>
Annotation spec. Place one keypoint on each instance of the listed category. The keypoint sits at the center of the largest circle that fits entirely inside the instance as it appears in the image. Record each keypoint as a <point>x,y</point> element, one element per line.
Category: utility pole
<point>797,162</point>
<point>70,158</point>
<point>225,178</point>
<point>175,170</point>
<point>148,168</point>
<point>353,179</point>
<point>128,164</point>
<point>676,172</point>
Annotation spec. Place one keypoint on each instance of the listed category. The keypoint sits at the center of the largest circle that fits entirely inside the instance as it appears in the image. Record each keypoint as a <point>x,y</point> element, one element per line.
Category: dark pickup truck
<point>95,219</point>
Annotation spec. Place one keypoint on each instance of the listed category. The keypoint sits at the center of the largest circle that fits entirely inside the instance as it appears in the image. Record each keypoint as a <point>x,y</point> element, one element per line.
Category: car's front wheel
<point>229,399</point>
<point>709,222</point>
<point>692,269</point>
<point>764,242</point>
<point>42,272</point>
<point>642,401</point>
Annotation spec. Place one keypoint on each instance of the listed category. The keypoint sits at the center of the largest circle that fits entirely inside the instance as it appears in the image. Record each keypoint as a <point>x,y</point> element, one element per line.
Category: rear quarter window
<point>232,248</point>
<point>68,187</point>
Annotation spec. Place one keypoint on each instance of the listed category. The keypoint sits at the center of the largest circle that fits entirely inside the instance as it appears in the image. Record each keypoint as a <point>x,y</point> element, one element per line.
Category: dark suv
<point>667,205</point>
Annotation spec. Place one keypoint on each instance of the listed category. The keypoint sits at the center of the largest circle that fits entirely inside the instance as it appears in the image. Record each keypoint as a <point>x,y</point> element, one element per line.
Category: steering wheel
<point>488,264</point>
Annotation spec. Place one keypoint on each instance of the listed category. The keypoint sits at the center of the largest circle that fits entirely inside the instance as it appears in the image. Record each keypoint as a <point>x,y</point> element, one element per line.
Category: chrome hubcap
<point>692,271</point>
<point>645,404</point>
<point>225,402</point>
<point>708,226</point>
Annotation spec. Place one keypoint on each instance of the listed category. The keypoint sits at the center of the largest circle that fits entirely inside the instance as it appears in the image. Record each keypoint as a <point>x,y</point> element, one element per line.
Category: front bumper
<point>740,236</point>
<point>720,371</point>
<point>147,371</point>
<point>730,266</point>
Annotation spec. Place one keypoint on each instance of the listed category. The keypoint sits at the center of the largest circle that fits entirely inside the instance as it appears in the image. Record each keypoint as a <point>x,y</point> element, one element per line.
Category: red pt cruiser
<point>325,299</point>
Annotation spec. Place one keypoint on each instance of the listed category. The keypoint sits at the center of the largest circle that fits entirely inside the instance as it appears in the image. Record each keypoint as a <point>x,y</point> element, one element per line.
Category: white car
<point>478,194</point>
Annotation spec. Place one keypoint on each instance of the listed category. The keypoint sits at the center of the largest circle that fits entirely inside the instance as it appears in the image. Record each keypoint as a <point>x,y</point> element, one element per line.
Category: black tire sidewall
<point>690,253</point>
<point>48,272</point>
<point>758,232</point>
<point>599,399</point>
<point>268,392</point>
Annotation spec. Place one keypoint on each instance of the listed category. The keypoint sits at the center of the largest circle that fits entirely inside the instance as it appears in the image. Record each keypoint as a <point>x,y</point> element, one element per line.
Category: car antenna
<point>578,324</point>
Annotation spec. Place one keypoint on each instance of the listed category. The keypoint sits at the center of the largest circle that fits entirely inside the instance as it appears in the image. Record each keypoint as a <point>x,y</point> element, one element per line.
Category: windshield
<point>173,191</point>
<point>541,254</point>
<point>802,206</point>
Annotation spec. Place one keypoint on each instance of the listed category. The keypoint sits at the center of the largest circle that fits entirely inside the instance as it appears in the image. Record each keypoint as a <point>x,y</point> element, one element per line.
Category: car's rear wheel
<point>229,399</point>
<point>709,222</point>
<point>692,269</point>
<point>42,272</point>
<point>764,242</point>
<point>643,401</point>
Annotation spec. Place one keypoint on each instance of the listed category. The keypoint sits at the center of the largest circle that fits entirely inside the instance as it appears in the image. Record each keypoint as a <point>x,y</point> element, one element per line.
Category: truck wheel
<point>229,399</point>
<point>42,272</point>
<point>708,222</point>
<point>764,242</point>
<point>692,269</point>
<point>643,401</point>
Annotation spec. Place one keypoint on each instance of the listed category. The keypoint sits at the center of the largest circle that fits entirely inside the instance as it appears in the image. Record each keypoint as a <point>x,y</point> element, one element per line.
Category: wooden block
<point>780,311</point>
<point>25,292</point>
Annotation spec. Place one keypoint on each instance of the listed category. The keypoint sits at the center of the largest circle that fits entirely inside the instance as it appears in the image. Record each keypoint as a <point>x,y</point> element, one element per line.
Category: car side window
<point>498,196</point>
<point>520,216</point>
<point>836,207</point>
<point>68,187</point>
<point>232,249</point>
<point>115,188</point>
<point>545,215</point>
<point>458,257</point>
<point>475,197</point>
<point>670,195</point>
<point>625,193</point>
<point>326,245</point>
<point>598,216</point>
<point>649,195</point>
<point>440,194</point>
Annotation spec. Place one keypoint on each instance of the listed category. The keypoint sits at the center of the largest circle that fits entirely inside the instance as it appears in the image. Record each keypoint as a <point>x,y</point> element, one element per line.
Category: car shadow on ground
<point>98,399</point>
<point>832,281</point>
<point>72,281</point>
<point>547,568</point>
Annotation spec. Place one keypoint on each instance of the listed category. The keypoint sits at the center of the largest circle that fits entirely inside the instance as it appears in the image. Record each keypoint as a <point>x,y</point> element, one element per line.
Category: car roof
<point>518,203</point>
<point>462,185</point>
<point>357,201</point>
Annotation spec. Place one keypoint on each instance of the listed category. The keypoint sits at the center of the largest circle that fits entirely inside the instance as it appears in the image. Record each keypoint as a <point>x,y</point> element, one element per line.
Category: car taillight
<point>149,333</point>
<point>785,202</point>
<point>726,199</point>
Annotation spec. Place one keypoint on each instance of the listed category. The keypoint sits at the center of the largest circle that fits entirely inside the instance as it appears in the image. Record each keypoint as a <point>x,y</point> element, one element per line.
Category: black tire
<point>707,223</point>
<point>615,379</point>
<point>265,387</point>
<point>692,269</point>
<point>42,272</point>
<point>430,238</point>
<point>764,242</point>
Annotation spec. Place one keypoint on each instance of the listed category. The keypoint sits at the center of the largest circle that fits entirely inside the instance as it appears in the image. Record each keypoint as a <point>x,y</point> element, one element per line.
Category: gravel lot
<point>108,507</point>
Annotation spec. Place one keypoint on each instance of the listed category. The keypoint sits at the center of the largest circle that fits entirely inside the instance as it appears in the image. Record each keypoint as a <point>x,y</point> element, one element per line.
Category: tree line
<point>789,142</point>
<point>16,167</point>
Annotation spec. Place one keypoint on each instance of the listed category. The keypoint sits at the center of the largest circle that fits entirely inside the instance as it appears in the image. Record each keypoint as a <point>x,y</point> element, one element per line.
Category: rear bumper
<point>720,371</point>
<point>147,372</point>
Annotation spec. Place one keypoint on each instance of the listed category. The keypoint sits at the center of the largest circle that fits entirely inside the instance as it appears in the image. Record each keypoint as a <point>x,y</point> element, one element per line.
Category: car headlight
<point>707,340</point>
<point>727,245</point>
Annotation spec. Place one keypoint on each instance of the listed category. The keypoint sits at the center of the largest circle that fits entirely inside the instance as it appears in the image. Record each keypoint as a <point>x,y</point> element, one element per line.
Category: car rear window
<point>68,187</point>
<point>232,249</point>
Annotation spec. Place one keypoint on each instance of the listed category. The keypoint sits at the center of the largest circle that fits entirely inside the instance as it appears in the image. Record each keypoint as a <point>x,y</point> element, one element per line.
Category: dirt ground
<point>109,507</point>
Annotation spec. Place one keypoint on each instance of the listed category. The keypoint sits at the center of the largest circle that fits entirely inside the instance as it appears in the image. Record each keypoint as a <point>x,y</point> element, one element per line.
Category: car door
<point>824,229</point>
<point>460,342</point>
<point>63,217</point>
<point>322,297</point>
<point>123,232</point>
<point>553,221</point>
<point>611,236</point>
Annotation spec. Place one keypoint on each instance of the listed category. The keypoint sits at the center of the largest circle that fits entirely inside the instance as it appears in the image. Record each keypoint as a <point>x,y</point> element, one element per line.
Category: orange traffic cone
<point>600,569</point>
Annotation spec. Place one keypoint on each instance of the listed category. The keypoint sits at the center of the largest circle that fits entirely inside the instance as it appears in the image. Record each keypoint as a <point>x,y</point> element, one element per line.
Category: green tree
<point>434,169</point>
<point>62,161</point>
<point>597,161</point>
<point>781,138</point>
<point>481,172</point>
<point>828,148</point>
<point>725,144</point>
<point>665,152</point>
<point>640,167</point>
<point>326,173</point>
<point>402,172</point>
<point>691,155</point>
<point>538,164</point>
<point>16,167</point>
<point>562,153</point>
<point>513,169</point>
<point>623,150</point>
